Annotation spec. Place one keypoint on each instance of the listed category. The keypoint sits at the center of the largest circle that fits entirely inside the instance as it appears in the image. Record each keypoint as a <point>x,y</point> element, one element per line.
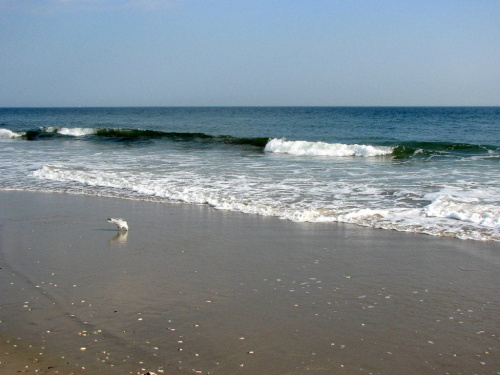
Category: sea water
<point>431,170</point>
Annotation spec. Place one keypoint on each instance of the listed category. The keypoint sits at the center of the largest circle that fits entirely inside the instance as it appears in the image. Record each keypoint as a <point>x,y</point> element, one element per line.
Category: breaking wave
<point>7,134</point>
<point>266,144</point>
<point>305,148</point>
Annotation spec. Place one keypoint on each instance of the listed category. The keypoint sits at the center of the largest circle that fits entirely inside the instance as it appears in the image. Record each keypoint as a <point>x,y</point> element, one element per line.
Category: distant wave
<point>406,149</point>
<point>325,149</point>
<point>134,134</point>
<point>130,135</point>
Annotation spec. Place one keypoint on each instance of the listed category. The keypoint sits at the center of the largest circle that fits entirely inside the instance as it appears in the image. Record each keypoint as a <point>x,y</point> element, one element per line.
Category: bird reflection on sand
<point>119,239</point>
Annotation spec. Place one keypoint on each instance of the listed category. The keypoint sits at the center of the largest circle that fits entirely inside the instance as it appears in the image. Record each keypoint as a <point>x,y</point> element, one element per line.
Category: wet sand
<point>193,290</point>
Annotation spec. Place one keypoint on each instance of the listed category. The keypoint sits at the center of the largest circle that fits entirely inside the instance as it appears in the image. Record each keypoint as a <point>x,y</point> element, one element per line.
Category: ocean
<point>429,170</point>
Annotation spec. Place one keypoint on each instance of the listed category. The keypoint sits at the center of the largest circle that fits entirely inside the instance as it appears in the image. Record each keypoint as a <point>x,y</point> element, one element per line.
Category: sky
<point>60,53</point>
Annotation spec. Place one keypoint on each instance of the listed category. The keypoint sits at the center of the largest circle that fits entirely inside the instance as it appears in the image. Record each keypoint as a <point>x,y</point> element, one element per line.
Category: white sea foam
<point>73,132</point>
<point>468,218</point>
<point>304,148</point>
<point>80,175</point>
<point>76,132</point>
<point>8,134</point>
<point>471,212</point>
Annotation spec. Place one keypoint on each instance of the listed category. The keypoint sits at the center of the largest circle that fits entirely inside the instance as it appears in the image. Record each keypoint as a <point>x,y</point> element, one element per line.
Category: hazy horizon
<point>252,106</point>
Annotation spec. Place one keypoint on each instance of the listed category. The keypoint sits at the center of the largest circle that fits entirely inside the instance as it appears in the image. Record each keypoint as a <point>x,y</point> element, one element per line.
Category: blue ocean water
<point>428,170</point>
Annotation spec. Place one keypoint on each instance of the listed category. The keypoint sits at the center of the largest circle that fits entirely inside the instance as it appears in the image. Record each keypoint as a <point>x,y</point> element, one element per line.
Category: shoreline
<point>190,289</point>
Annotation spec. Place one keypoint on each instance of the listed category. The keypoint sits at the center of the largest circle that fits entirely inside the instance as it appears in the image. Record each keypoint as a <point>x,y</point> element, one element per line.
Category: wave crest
<point>131,135</point>
<point>72,132</point>
<point>304,148</point>
<point>8,134</point>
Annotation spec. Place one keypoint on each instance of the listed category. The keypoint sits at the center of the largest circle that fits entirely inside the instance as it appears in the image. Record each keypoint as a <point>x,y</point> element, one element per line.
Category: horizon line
<point>251,106</point>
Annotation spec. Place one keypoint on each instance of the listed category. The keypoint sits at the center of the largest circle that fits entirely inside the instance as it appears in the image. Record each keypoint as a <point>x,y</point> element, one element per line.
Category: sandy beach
<point>190,289</point>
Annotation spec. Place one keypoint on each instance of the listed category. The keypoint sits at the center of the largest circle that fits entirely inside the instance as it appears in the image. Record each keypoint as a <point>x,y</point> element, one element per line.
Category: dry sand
<point>193,290</point>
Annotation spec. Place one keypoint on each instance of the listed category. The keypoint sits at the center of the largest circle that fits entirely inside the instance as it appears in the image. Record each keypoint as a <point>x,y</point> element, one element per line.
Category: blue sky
<point>218,52</point>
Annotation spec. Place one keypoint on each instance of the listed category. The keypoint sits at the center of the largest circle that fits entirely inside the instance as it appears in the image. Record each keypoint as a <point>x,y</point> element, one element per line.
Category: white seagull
<point>120,223</point>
